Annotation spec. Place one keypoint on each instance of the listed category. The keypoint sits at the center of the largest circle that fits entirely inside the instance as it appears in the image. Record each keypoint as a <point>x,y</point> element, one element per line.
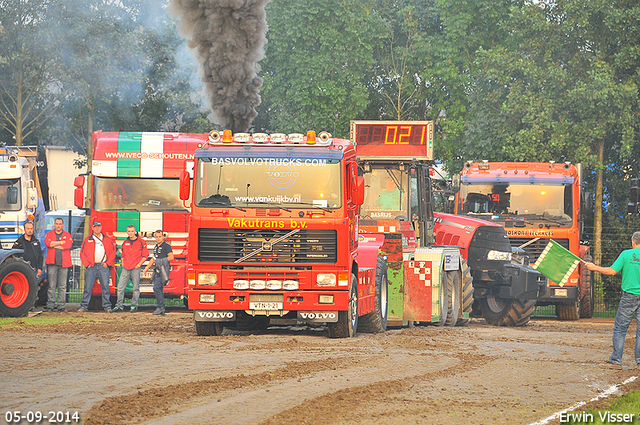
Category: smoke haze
<point>228,37</point>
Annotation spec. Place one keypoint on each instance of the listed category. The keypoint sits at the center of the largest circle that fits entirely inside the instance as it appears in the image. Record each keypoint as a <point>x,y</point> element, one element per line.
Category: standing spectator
<point>162,256</point>
<point>98,255</point>
<point>59,243</point>
<point>32,253</point>
<point>134,252</point>
<point>628,262</point>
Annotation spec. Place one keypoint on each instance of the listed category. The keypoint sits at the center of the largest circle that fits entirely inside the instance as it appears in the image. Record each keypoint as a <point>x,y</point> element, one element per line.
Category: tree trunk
<point>597,216</point>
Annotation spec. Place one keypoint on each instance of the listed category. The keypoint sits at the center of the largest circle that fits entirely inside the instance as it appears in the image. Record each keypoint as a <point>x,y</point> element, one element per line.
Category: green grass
<point>626,404</point>
<point>15,322</point>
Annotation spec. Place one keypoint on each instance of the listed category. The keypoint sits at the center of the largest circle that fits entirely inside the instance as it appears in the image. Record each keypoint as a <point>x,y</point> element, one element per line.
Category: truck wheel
<point>503,312</point>
<point>467,293</point>
<point>376,321</point>
<point>18,288</point>
<point>453,289</point>
<point>586,291</point>
<point>247,322</point>
<point>568,311</point>
<point>209,328</point>
<point>347,323</point>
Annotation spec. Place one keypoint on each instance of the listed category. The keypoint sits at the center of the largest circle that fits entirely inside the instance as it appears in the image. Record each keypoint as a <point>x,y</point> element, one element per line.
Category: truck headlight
<point>499,256</point>
<point>207,279</point>
<point>241,284</point>
<point>274,285</point>
<point>326,279</point>
<point>290,285</point>
<point>258,284</point>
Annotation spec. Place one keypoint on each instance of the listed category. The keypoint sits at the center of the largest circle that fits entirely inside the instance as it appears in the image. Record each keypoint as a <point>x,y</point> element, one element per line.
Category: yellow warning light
<point>227,136</point>
<point>311,137</point>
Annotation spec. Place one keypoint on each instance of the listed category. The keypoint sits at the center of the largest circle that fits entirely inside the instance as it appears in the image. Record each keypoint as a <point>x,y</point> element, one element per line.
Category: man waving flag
<point>557,263</point>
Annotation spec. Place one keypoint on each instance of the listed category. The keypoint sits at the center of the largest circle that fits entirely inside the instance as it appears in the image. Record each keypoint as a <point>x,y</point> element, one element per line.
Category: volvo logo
<point>216,315</point>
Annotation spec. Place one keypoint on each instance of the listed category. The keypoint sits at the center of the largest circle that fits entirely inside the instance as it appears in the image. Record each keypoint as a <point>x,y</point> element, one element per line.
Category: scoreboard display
<point>393,139</point>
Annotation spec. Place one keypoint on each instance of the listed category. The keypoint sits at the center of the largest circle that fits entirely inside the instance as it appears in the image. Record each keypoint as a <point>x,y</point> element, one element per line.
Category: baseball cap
<point>97,223</point>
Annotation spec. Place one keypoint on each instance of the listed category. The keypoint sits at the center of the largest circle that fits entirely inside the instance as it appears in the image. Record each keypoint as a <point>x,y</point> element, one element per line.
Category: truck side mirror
<point>359,195</point>
<point>185,185</point>
<point>78,181</point>
<point>12,195</point>
<point>78,197</point>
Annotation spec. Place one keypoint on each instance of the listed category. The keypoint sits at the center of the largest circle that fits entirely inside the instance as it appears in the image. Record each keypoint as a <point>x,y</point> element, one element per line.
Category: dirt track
<point>138,368</point>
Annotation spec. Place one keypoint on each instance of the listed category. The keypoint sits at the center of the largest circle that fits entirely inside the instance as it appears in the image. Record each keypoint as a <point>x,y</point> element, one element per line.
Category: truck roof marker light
<point>567,165</point>
<point>484,165</point>
<point>227,136</point>
<point>551,164</point>
<point>278,138</point>
<point>311,137</point>
<point>260,138</point>
<point>214,136</point>
<point>296,138</point>
<point>242,137</point>
<point>467,164</point>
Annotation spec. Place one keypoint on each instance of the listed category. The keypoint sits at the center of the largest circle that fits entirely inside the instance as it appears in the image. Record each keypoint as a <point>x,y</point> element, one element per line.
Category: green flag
<point>557,263</point>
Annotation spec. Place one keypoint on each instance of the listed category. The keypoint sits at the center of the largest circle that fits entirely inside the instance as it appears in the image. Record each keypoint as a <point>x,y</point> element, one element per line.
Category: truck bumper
<point>519,282</point>
<point>270,303</point>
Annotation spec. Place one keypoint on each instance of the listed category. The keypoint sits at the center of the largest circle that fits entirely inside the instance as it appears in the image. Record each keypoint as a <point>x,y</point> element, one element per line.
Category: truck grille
<point>305,246</point>
<point>534,249</point>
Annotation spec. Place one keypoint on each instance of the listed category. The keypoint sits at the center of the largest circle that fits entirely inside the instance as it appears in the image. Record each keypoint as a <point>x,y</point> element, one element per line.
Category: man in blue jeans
<point>98,255</point>
<point>627,263</point>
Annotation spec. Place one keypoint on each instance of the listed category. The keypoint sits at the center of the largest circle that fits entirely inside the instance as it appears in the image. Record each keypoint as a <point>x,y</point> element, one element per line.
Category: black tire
<point>347,324</point>
<point>209,328</point>
<point>569,311</point>
<point>246,322</point>
<point>502,312</point>
<point>376,321</point>
<point>587,291</point>
<point>18,288</point>
<point>453,306</point>
<point>467,293</point>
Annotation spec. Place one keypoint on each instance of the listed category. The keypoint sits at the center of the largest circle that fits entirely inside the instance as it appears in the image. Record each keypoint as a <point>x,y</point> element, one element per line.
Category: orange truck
<point>534,202</point>
<point>273,235</point>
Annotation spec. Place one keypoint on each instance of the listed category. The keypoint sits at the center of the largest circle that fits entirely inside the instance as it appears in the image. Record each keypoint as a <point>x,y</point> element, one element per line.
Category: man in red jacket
<point>98,255</point>
<point>58,263</point>
<point>134,252</point>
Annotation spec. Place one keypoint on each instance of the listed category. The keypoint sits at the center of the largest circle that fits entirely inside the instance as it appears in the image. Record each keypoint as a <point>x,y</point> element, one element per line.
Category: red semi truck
<point>134,179</point>
<point>534,202</point>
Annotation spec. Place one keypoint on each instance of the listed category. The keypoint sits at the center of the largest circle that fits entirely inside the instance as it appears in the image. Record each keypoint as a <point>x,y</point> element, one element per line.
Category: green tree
<point>317,55</point>
<point>564,88</point>
<point>28,83</point>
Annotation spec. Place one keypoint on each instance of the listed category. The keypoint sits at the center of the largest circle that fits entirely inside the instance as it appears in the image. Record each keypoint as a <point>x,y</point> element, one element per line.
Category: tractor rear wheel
<point>453,307</point>
<point>467,294</point>
<point>505,312</point>
<point>18,288</point>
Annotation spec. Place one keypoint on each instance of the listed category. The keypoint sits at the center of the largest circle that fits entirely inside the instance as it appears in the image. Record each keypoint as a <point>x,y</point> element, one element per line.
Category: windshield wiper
<point>209,201</point>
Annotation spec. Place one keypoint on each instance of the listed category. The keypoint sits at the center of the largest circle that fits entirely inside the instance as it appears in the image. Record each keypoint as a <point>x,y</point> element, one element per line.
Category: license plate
<point>561,293</point>
<point>265,306</point>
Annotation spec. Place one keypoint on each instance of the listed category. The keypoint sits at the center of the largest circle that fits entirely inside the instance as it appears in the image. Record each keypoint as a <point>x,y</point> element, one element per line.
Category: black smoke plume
<point>228,37</point>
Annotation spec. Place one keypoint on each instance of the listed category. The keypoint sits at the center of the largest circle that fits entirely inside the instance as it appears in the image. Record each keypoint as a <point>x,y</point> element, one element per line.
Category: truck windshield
<point>10,195</point>
<point>136,194</point>
<point>268,182</point>
<point>386,191</point>
<point>524,202</point>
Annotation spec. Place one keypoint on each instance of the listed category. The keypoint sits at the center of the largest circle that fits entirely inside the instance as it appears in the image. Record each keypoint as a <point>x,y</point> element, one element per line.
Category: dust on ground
<point>140,368</point>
